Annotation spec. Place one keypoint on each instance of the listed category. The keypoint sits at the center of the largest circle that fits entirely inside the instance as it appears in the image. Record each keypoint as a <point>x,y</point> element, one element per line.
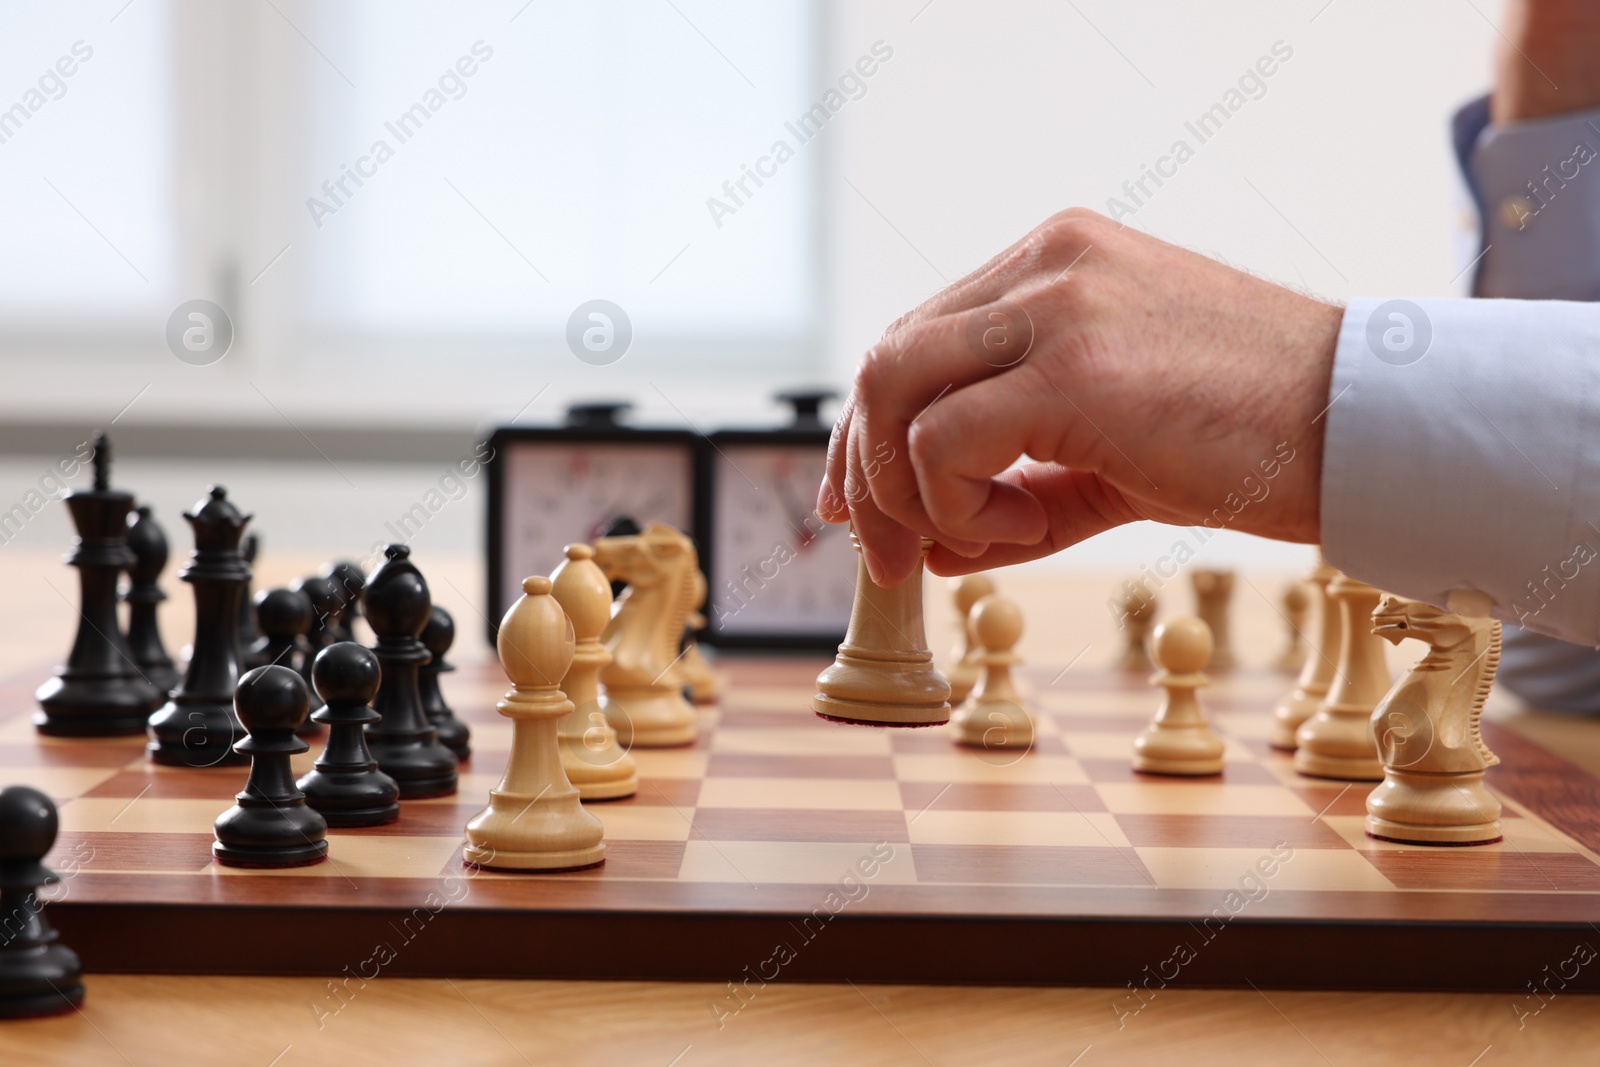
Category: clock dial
<point>558,492</point>
<point>775,566</point>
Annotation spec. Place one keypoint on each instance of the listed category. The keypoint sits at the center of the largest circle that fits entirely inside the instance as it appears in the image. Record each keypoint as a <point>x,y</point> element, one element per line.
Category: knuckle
<point>875,370</point>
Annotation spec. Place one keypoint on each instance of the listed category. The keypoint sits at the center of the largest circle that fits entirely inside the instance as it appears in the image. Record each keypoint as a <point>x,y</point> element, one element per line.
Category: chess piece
<point>396,603</point>
<point>144,595</point>
<point>196,727</point>
<point>646,700</point>
<point>437,637</point>
<point>964,668</point>
<point>347,582</point>
<point>345,785</point>
<point>1295,604</point>
<point>995,717</point>
<point>1213,591</point>
<point>1337,741</point>
<point>1428,730</point>
<point>269,824</point>
<point>248,634</point>
<point>594,763</point>
<point>326,605</point>
<point>1136,614</point>
<point>698,676</point>
<point>1179,739</point>
<point>884,673</point>
<point>99,692</point>
<point>38,974</point>
<point>534,821</point>
<point>283,617</point>
<point>1316,676</point>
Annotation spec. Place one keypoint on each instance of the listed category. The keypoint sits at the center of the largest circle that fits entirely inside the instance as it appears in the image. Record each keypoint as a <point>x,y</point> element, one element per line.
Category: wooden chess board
<point>780,844</point>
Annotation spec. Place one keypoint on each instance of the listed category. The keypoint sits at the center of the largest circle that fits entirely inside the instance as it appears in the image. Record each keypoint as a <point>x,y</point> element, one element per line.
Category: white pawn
<point>594,762</point>
<point>995,717</point>
<point>964,670</point>
<point>1179,739</point>
<point>534,821</point>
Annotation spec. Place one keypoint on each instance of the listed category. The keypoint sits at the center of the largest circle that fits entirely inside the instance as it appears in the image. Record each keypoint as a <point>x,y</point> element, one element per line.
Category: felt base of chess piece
<point>534,821</point>
<point>1179,739</point>
<point>345,785</point>
<point>1433,809</point>
<point>270,824</point>
<point>38,974</point>
<point>597,767</point>
<point>884,673</point>
<point>437,637</point>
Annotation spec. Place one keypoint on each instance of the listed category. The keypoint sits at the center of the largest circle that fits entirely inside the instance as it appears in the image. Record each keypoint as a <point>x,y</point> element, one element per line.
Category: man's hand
<point>1143,381</point>
<point>1547,61</point>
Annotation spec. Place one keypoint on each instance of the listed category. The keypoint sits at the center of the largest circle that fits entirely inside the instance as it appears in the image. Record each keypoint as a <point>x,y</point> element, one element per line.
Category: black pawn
<point>345,784</point>
<point>248,634</point>
<point>348,582</point>
<point>149,545</point>
<point>270,824</point>
<point>284,617</point>
<point>437,637</point>
<point>196,727</point>
<point>38,974</point>
<point>325,608</point>
<point>396,603</point>
<point>100,692</point>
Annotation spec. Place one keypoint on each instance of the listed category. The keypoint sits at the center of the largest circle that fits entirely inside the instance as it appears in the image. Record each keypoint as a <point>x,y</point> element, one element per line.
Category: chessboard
<point>780,844</point>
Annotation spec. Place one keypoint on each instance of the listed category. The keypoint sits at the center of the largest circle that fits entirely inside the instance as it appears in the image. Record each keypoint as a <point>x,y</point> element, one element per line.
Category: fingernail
<point>874,567</point>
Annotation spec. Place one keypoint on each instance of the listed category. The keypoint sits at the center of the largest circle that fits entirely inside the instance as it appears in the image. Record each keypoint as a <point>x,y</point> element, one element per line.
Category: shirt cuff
<point>1462,452</point>
<point>1537,187</point>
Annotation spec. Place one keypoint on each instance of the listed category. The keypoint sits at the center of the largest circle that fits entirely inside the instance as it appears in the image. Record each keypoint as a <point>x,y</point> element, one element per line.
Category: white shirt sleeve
<point>1463,436</point>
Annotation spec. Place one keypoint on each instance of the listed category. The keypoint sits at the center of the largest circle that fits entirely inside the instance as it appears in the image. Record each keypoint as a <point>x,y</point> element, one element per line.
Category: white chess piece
<point>534,821</point>
<point>1179,739</point>
<point>995,716</point>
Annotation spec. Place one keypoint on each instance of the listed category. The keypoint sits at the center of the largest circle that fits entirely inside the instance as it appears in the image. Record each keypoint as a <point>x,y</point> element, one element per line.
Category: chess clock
<point>778,577</point>
<point>550,486</point>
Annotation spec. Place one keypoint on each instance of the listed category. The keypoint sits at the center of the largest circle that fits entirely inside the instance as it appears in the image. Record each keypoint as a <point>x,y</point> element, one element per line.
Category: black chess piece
<point>437,637</point>
<point>347,582</point>
<point>149,545</point>
<point>38,974</point>
<point>396,603</point>
<point>197,727</point>
<point>270,824</point>
<point>100,691</point>
<point>248,634</point>
<point>284,617</point>
<point>345,784</point>
<point>326,605</point>
<point>619,526</point>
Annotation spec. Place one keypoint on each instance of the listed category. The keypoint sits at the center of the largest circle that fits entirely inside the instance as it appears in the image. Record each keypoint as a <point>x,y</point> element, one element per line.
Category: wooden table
<point>147,1020</point>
